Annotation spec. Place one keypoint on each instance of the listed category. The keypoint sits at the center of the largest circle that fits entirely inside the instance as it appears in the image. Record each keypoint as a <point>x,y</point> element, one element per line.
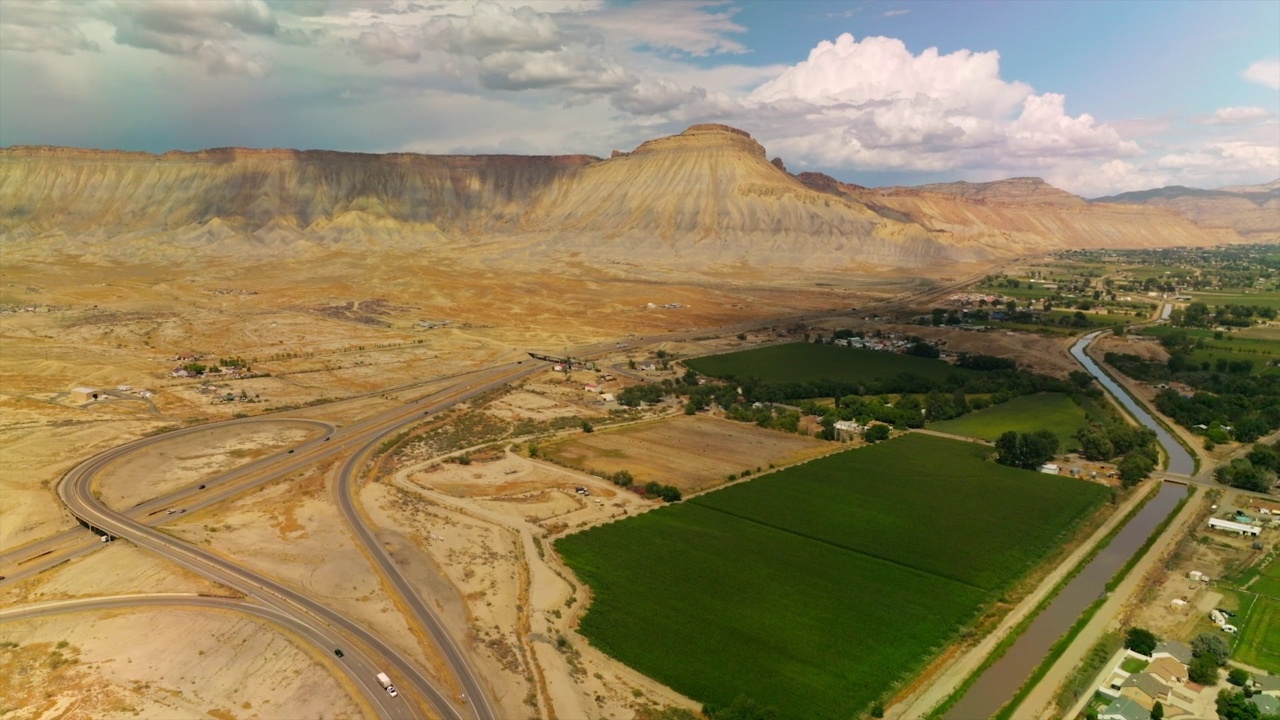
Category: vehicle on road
<point>385,682</point>
<point>291,451</point>
<point>337,651</point>
<point>201,487</point>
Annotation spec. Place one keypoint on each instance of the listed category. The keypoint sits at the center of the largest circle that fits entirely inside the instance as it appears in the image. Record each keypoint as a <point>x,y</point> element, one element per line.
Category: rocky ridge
<point>703,198</point>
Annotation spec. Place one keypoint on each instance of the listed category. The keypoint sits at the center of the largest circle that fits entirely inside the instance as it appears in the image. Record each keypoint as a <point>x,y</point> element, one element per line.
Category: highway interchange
<point>364,653</point>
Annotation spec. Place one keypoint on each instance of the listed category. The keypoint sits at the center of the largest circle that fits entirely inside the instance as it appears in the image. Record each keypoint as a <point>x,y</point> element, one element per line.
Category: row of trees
<point>1256,471</point>
<point>1026,450</point>
<point>1230,397</point>
<point>1135,446</point>
<point>1199,315</point>
<point>624,479</point>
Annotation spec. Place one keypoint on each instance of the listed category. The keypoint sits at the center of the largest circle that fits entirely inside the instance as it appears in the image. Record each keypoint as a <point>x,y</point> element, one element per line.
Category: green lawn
<point>808,362</point>
<point>1259,643</point>
<point>1053,411</point>
<point>815,588</point>
<point>1133,665</point>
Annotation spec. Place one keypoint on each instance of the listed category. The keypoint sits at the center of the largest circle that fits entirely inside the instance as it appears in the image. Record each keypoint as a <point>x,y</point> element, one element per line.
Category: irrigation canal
<point>1001,681</point>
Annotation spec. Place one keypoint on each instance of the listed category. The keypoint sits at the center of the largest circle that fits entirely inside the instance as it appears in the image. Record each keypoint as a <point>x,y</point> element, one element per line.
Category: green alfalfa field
<point>814,589</point>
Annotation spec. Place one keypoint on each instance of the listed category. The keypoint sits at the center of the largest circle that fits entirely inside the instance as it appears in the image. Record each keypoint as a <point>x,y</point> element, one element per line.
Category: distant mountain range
<point>707,197</point>
<point>1251,210</point>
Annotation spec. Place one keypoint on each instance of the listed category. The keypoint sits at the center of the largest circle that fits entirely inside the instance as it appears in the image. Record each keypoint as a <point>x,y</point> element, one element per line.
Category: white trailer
<point>385,682</point>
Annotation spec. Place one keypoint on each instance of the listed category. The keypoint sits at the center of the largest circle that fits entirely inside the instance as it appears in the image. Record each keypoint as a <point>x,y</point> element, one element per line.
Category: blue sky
<point>1096,97</point>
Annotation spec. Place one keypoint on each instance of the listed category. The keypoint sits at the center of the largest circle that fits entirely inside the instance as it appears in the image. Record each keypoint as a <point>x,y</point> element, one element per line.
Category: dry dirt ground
<point>162,663</point>
<point>691,452</point>
<point>329,325</point>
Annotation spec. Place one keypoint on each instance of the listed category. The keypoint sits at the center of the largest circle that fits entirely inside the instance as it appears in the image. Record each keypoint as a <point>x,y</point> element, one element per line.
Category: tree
<point>1141,641</point>
<point>1157,711</point>
<point>1008,449</point>
<point>587,426</point>
<point>876,433</point>
<point>1211,645</point>
<point>1028,450</point>
<point>1133,468</point>
<point>1094,443</point>
<point>1233,705</point>
<point>1238,676</point>
<point>1203,670</point>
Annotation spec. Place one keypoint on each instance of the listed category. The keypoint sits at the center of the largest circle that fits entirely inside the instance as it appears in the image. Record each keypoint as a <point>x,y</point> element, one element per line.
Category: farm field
<point>813,589</point>
<point>1054,411</point>
<point>1268,583</point>
<point>1264,299</point>
<point>1259,643</point>
<point>689,452</point>
<point>806,362</point>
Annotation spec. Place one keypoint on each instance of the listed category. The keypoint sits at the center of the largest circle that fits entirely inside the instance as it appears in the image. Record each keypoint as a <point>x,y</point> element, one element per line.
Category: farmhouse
<point>1235,527</point>
<point>847,429</point>
<point>84,394</point>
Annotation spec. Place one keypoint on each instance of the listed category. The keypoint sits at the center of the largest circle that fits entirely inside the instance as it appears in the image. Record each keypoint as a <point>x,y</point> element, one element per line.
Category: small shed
<point>84,394</point>
<point>1049,469</point>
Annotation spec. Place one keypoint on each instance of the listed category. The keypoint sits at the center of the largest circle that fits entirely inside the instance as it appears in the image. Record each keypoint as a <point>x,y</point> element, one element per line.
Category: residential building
<point>1123,708</point>
<point>1145,689</point>
<point>1168,670</point>
<point>1179,651</point>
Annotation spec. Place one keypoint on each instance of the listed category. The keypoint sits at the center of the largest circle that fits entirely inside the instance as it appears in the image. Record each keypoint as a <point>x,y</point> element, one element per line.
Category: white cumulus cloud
<point>875,104</point>
<point>1265,73</point>
<point>1233,116</point>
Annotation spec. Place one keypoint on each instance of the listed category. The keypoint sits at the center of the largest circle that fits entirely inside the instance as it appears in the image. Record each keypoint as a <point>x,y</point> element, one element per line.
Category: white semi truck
<point>385,682</point>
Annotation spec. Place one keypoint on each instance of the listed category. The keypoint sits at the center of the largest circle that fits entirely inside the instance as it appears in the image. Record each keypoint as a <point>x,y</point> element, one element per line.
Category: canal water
<point>998,684</point>
<point>1180,461</point>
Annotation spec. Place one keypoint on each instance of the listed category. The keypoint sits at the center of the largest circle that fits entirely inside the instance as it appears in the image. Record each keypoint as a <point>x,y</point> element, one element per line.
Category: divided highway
<point>364,652</point>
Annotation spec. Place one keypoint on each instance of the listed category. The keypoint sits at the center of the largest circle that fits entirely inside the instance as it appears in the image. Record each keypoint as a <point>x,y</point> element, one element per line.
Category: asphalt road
<point>345,488</point>
<point>358,668</point>
<point>359,439</point>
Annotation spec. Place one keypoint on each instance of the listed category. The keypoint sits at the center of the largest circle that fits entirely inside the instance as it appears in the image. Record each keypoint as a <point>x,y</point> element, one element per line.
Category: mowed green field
<point>1028,413</point>
<point>1268,583</point>
<point>815,588</point>
<point>806,362</point>
<point>1259,643</point>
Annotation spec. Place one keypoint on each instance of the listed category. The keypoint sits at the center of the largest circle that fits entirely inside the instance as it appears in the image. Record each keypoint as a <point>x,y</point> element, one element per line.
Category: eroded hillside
<point>707,197</point>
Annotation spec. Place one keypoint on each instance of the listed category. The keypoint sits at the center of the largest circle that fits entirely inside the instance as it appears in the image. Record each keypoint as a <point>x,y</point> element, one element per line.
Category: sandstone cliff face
<point>706,197</point>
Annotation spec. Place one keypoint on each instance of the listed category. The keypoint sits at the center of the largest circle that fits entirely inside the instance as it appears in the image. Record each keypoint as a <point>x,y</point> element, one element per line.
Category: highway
<point>76,493</point>
<point>358,441</point>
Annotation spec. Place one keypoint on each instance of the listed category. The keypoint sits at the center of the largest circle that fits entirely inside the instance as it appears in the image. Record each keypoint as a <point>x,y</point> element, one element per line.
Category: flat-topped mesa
<point>704,137</point>
<point>1020,190</point>
<point>284,155</point>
